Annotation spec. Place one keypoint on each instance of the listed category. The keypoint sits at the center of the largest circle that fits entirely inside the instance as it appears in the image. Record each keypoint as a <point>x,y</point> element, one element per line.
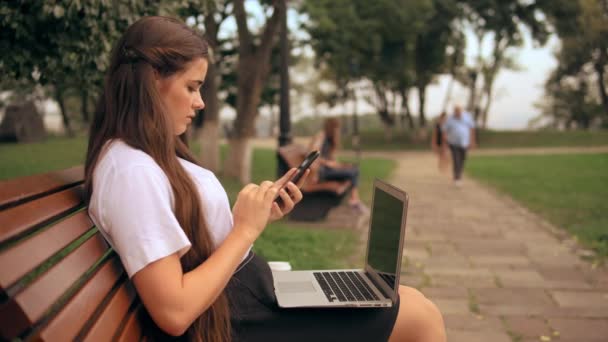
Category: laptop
<point>377,284</point>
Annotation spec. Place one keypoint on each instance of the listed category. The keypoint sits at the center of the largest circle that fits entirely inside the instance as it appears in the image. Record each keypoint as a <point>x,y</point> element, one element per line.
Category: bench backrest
<point>59,279</point>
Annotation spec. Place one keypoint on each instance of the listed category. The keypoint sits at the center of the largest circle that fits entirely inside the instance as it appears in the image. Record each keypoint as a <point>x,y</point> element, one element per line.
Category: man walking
<point>459,132</point>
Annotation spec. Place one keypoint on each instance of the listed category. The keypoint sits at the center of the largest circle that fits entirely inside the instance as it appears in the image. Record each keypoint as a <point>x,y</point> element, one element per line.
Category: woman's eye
<point>192,90</point>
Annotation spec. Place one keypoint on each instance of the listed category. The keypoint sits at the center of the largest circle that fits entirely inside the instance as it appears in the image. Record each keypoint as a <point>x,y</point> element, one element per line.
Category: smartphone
<point>310,158</point>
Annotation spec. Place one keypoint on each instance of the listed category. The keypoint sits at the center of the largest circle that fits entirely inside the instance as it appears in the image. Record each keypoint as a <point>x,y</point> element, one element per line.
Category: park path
<point>497,271</point>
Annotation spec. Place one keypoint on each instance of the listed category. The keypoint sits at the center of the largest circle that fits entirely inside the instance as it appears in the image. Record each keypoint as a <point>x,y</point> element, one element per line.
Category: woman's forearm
<point>175,302</point>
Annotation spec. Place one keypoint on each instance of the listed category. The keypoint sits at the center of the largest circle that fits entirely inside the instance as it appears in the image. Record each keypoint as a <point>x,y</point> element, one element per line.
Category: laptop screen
<point>385,231</point>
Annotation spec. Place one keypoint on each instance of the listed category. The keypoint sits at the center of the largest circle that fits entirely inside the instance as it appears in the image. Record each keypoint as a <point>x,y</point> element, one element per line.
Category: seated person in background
<point>327,142</point>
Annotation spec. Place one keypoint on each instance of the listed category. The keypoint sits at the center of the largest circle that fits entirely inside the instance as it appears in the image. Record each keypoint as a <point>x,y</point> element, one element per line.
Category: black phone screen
<point>310,158</point>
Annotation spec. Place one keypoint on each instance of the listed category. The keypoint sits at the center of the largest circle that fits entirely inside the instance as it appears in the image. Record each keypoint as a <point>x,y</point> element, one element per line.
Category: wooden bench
<point>319,197</point>
<point>59,279</point>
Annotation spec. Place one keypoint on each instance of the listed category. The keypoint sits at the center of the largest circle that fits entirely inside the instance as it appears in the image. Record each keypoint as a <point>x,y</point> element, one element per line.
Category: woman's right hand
<point>251,210</point>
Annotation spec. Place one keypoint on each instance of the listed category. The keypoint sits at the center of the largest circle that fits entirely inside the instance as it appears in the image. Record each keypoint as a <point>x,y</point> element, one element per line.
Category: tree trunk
<point>84,105</point>
<point>422,100</point>
<point>406,108</point>
<point>209,135</point>
<point>599,68</point>
<point>248,99</point>
<point>472,92</point>
<point>448,95</point>
<point>62,110</point>
<point>238,163</point>
<point>209,138</point>
<point>252,70</point>
<point>388,132</point>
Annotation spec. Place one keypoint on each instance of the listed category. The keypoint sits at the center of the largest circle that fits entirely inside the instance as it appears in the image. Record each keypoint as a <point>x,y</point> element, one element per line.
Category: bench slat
<point>66,325</point>
<point>132,330</point>
<point>18,220</point>
<point>18,190</point>
<point>111,317</point>
<point>35,299</point>
<point>20,259</point>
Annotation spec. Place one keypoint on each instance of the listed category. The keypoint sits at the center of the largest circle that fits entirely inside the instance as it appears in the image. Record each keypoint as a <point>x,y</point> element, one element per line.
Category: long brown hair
<point>130,109</point>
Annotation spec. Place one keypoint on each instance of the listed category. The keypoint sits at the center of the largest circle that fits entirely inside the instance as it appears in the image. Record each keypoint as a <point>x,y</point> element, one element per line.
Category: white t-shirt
<point>133,206</point>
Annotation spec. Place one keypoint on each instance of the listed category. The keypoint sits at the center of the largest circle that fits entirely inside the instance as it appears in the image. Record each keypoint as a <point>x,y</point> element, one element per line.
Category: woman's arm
<point>175,299</point>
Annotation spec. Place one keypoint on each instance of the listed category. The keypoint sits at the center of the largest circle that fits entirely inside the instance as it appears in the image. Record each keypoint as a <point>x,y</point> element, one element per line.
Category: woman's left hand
<point>289,197</point>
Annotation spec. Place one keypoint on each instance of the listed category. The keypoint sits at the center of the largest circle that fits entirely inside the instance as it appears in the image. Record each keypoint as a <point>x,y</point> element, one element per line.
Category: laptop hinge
<point>378,286</point>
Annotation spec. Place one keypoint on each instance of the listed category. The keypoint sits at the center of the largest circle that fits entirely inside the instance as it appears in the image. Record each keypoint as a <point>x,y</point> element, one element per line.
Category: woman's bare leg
<point>418,319</point>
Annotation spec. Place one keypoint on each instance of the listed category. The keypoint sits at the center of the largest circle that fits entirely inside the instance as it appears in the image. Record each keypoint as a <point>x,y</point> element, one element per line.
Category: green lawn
<point>304,248</point>
<point>374,139</point>
<point>571,191</point>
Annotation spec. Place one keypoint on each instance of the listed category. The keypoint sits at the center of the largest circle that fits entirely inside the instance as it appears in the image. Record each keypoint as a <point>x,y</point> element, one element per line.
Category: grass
<point>304,248</point>
<point>19,160</point>
<point>569,190</point>
<point>374,139</point>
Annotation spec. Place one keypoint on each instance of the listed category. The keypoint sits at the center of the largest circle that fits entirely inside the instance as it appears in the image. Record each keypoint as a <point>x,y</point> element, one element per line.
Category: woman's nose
<point>198,102</point>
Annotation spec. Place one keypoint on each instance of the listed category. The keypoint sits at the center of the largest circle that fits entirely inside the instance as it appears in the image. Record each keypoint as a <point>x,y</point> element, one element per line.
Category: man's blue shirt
<point>458,131</point>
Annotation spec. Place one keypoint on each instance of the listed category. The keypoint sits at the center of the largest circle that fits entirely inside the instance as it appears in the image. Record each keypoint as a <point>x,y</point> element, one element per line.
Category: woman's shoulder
<point>120,157</point>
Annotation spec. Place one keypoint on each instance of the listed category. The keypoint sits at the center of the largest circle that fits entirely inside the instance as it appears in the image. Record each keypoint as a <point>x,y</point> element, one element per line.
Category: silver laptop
<point>374,286</point>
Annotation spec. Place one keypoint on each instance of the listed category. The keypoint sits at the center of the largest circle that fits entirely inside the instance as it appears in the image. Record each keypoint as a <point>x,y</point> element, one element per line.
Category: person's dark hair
<point>130,109</point>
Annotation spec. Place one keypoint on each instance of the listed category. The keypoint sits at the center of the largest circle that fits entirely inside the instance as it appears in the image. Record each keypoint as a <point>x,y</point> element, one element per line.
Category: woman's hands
<point>255,204</point>
<point>289,197</point>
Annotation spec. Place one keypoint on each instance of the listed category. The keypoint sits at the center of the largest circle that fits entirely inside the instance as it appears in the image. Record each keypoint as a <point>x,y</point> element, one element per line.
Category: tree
<point>252,70</point>
<point>64,45</point>
<point>582,26</point>
<point>504,21</point>
<point>432,41</point>
<point>377,37</point>
<point>209,14</point>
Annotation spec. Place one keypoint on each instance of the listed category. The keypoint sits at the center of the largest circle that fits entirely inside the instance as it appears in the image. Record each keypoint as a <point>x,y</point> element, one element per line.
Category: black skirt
<point>256,315</point>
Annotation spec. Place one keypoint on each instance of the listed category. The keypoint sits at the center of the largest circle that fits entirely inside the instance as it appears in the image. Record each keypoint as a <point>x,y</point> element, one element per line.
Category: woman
<point>188,255</point>
<point>438,144</point>
<point>327,142</point>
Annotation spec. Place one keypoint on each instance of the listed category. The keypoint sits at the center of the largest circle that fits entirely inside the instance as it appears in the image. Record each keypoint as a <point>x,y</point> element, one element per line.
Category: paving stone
<point>526,326</point>
<point>452,306</point>
<point>477,336</point>
<point>483,247</point>
<point>472,322</point>
<point>580,329</point>
<point>519,296</point>
<point>447,261</point>
<point>500,260</point>
<point>416,253</point>
<point>467,281</point>
<point>581,299</point>
<point>457,271</point>
<point>473,231</point>
<point>515,278</point>
<point>515,310</point>
<point>451,292</point>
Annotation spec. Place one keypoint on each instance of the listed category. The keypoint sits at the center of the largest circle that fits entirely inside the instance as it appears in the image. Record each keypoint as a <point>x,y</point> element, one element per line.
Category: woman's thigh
<point>418,319</point>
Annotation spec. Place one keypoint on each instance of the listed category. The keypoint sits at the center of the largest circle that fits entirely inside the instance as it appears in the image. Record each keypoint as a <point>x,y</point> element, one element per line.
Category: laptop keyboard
<point>345,286</point>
